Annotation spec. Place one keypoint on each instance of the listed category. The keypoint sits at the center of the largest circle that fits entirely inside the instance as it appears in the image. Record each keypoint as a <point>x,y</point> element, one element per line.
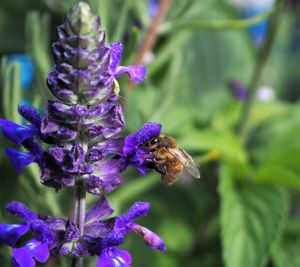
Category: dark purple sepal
<point>100,210</point>
<point>33,250</point>
<point>109,173</point>
<point>60,132</point>
<point>72,232</point>
<point>19,159</point>
<point>110,124</point>
<point>80,250</point>
<point>114,257</point>
<point>17,133</point>
<point>11,233</point>
<point>52,174</point>
<point>107,147</point>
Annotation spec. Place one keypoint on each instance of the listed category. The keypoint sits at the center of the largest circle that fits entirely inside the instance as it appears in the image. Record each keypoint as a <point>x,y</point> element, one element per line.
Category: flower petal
<point>152,239</point>
<point>100,210</point>
<point>135,72</point>
<point>19,159</point>
<point>116,50</point>
<point>33,249</point>
<point>145,133</point>
<point>113,257</point>
<point>10,233</point>
<point>17,133</point>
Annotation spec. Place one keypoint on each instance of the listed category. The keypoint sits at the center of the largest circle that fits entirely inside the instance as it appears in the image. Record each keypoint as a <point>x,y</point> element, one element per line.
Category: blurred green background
<point>244,211</point>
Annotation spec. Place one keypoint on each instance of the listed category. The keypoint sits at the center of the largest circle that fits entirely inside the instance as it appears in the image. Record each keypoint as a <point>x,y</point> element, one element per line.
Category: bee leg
<point>161,169</point>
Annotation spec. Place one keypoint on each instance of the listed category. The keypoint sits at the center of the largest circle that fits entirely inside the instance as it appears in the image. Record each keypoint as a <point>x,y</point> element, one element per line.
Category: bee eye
<point>154,141</point>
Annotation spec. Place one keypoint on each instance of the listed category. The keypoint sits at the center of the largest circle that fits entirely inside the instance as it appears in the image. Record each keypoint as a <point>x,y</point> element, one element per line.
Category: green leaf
<point>200,24</point>
<point>286,250</point>
<point>278,155</point>
<point>252,217</point>
<point>226,143</point>
<point>177,235</point>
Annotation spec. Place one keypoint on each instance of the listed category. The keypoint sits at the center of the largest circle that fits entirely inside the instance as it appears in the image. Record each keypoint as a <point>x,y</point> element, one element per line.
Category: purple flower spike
<point>10,233</point>
<point>17,133</point>
<point>19,159</point>
<point>80,128</point>
<point>113,257</point>
<point>32,250</point>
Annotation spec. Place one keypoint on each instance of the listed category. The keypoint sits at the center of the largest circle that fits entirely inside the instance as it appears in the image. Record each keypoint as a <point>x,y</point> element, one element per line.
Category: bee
<point>169,159</point>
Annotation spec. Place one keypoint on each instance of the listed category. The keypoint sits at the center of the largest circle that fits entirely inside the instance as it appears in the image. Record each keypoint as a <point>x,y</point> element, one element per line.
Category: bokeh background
<point>223,79</point>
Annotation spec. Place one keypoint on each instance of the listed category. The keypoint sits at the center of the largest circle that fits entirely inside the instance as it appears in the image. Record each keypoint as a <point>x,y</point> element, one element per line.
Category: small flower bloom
<point>10,233</point>
<point>238,90</point>
<point>33,250</point>
<point>17,133</point>
<point>113,257</point>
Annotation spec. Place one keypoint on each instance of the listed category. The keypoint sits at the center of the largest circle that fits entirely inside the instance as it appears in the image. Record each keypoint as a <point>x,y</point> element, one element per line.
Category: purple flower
<point>81,128</point>
<point>10,233</point>
<point>153,7</point>
<point>33,250</point>
<point>113,257</point>
<point>238,90</point>
<point>60,236</point>
<point>136,73</point>
<point>17,133</point>
<point>135,153</point>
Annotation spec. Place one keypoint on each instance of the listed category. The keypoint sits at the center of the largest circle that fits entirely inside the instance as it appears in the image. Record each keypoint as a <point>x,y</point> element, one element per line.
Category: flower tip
<point>18,209</point>
<point>140,208</point>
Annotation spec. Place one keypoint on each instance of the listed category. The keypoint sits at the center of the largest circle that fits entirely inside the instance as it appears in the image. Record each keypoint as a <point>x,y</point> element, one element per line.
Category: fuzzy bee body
<point>169,159</point>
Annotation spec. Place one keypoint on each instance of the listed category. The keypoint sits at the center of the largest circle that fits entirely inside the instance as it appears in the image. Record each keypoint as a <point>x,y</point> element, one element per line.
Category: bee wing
<point>186,160</point>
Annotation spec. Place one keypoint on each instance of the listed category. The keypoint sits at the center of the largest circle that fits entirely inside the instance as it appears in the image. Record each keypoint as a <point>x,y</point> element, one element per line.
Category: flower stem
<point>79,216</point>
<point>262,59</point>
<point>152,33</point>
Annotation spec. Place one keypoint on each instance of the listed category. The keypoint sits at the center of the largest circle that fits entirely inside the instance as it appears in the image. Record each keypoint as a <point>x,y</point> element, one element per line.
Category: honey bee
<point>169,159</point>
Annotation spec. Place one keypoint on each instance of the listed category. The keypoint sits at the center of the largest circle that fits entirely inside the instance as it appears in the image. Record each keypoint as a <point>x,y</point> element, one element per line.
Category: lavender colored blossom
<point>60,236</point>
<point>83,149</point>
<point>238,90</point>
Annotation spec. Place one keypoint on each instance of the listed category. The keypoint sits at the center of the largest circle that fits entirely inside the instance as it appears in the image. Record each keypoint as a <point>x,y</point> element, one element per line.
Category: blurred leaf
<point>38,44</point>
<point>226,143</point>
<point>252,217</point>
<point>11,89</point>
<point>286,250</point>
<point>278,157</point>
<point>199,24</point>
<point>182,240</point>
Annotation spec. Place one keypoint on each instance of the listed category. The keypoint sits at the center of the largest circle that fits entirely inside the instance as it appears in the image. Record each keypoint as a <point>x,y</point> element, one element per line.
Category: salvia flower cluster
<point>80,129</point>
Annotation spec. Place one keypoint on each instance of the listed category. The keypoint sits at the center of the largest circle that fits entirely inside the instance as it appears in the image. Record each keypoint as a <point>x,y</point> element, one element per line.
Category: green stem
<point>262,59</point>
<point>79,206</point>
<point>219,25</point>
